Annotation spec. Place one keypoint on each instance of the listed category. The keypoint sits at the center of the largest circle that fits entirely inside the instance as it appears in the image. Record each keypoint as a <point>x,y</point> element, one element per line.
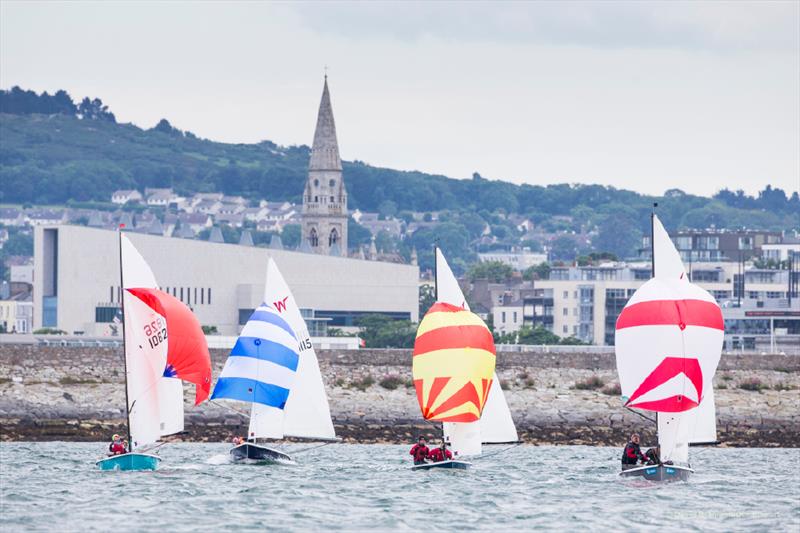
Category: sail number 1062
<point>156,332</point>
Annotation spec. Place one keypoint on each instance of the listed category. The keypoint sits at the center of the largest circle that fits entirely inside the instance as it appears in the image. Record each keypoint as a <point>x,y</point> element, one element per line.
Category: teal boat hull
<point>130,461</point>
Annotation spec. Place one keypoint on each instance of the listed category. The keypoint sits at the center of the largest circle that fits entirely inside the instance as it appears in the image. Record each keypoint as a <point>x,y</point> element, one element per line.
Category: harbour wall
<point>555,397</point>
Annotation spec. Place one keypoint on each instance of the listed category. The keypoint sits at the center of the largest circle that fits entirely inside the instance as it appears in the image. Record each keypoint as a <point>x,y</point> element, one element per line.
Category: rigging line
<point>228,408</point>
<point>643,416</point>
<point>497,452</point>
<point>313,447</point>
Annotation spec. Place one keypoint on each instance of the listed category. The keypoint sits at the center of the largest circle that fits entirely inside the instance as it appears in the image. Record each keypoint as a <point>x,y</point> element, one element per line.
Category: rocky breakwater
<point>76,393</point>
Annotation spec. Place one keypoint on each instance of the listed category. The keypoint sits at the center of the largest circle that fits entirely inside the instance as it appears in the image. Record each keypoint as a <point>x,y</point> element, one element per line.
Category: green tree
<point>564,248</point>
<point>290,236</point>
<point>494,271</point>
<point>381,331</point>
<point>387,209</point>
<point>357,235</point>
<point>427,297</point>
<point>540,271</point>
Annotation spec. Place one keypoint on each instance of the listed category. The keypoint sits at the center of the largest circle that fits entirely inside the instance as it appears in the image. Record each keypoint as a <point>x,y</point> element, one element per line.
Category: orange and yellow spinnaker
<point>453,364</point>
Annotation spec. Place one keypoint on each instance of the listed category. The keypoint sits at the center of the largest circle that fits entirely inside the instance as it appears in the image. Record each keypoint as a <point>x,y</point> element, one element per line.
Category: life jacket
<point>631,454</point>
<point>419,452</point>
<point>117,448</point>
<point>436,455</point>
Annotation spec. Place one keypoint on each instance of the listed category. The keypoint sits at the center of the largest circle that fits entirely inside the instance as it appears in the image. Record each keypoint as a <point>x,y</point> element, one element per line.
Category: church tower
<point>325,197</point>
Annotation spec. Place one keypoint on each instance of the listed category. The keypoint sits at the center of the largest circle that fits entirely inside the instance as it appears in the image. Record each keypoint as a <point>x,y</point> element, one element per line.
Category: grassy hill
<point>52,152</point>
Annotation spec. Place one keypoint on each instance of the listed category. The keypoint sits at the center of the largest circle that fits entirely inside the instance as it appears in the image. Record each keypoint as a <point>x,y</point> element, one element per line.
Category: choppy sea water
<point>56,487</point>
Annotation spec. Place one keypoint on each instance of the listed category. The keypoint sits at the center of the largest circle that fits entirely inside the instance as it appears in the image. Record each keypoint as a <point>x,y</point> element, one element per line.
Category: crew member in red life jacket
<point>420,451</point>
<point>117,446</point>
<point>440,454</point>
<point>632,452</point>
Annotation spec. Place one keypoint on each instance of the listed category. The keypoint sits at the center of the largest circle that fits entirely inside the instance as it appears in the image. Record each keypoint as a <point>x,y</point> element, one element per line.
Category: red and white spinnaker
<point>668,344</point>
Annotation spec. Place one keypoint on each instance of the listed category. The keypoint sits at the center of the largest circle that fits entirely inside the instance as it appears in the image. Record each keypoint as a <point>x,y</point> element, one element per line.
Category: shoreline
<point>59,393</point>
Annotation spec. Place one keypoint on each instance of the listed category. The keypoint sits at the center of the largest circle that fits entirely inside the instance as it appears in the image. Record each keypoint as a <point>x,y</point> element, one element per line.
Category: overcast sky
<point>639,95</point>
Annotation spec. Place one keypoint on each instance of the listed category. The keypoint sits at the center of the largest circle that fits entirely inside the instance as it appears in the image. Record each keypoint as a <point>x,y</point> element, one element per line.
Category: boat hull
<point>659,472</point>
<point>255,453</point>
<point>449,464</point>
<point>129,461</point>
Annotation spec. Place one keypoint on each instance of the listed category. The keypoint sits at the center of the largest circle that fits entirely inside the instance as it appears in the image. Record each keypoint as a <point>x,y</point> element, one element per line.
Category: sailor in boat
<point>653,455</point>
<point>632,453</point>
<point>117,446</point>
<point>440,453</point>
<point>420,451</point>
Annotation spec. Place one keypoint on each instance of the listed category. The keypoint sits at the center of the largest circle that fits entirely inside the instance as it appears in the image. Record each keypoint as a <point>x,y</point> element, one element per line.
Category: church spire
<point>325,151</point>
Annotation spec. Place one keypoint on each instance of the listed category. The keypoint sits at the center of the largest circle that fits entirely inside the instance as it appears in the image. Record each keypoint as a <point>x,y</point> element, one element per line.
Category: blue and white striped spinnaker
<point>261,370</point>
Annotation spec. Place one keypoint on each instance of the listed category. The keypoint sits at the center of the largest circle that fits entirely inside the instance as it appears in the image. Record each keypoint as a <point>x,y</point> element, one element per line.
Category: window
<point>683,242</point>
<point>745,243</point>
<point>332,199</point>
<point>565,311</point>
<point>202,295</point>
<point>565,329</point>
<point>195,296</point>
<point>574,311</point>
<point>503,317</point>
<point>316,183</point>
<point>111,293</point>
<point>181,298</point>
<point>316,198</point>
<point>332,183</point>
<point>575,294</point>
<point>515,317</point>
<point>566,295</point>
<point>334,237</point>
<point>209,296</point>
<point>313,238</point>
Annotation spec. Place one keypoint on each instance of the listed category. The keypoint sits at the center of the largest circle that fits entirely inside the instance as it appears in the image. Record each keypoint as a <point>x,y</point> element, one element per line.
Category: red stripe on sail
<point>466,394</point>
<point>187,351</point>
<point>455,337</point>
<point>674,404</point>
<point>679,313</point>
<point>436,389</point>
<point>665,371</point>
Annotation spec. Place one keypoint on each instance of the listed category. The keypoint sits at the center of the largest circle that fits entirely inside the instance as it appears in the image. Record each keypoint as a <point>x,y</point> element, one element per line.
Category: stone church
<point>325,198</point>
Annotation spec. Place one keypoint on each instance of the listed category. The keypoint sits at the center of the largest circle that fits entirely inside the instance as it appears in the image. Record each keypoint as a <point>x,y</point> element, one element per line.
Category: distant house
<point>255,214</point>
<point>3,237</point>
<point>196,221</point>
<point>11,216</point>
<point>122,197</point>
<point>161,197</point>
<point>46,217</point>
<point>208,207</point>
<point>230,208</point>
<point>235,220</point>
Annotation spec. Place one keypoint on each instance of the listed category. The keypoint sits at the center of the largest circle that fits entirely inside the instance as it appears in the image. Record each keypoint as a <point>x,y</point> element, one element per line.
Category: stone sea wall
<point>76,393</point>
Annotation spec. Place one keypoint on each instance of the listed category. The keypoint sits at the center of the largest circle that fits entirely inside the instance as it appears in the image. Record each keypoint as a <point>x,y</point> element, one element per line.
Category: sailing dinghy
<point>274,368</point>
<point>668,344</point>
<point>163,346</point>
<point>454,374</point>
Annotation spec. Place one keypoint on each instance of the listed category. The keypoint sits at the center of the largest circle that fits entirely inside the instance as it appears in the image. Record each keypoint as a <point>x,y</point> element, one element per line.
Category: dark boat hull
<point>658,472</point>
<point>255,453</point>
<point>449,464</point>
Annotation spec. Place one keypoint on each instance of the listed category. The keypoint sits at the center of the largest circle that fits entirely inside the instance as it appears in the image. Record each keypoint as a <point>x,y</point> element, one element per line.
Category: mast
<point>652,241</point>
<point>652,275</point>
<point>124,347</point>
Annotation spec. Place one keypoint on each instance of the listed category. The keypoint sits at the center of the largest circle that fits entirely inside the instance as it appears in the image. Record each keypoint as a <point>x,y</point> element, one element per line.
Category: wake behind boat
<point>668,344</point>
<point>163,344</point>
<point>274,368</point>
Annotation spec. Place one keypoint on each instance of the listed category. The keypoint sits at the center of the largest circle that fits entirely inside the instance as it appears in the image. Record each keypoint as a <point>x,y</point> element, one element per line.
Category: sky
<point>647,96</point>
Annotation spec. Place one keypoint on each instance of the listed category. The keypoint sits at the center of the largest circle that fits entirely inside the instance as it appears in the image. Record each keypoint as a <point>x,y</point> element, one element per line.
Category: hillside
<point>53,151</point>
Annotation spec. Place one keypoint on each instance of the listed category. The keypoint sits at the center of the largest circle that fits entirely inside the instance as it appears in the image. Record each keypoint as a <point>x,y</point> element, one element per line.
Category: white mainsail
<point>495,424</point>
<point>170,406</point>
<point>274,367</point>
<point>145,363</point>
<point>668,344</point>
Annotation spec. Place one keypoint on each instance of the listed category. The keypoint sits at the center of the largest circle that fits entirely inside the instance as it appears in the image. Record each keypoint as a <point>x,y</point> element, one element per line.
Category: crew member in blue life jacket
<point>440,453</point>
<point>420,451</point>
<point>117,446</point>
<point>632,453</point>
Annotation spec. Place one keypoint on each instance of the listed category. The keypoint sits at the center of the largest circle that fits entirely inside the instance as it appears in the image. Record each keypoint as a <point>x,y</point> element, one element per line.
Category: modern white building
<point>520,260</point>
<point>76,281</point>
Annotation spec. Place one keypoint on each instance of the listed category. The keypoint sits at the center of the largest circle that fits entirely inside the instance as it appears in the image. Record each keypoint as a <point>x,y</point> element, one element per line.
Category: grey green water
<point>56,487</point>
